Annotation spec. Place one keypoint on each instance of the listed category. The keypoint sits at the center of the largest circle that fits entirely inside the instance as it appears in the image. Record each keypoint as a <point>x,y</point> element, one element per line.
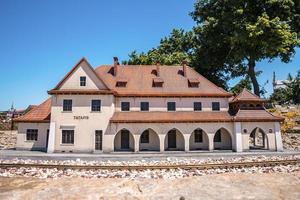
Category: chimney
<point>116,66</point>
<point>184,68</point>
<point>158,69</point>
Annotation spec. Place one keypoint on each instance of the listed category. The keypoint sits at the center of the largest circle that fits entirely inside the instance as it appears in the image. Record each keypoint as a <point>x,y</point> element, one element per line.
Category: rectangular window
<point>144,106</point>
<point>217,137</point>
<point>215,106</point>
<point>82,81</point>
<point>67,105</point>
<point>171,106</point>
<point>125,106</point>
<point>198,136</point>
<point>31,134</point>
<point>67,137</point>
<point>96,105</point>
<point>145,137</point>
<point>197,106</point>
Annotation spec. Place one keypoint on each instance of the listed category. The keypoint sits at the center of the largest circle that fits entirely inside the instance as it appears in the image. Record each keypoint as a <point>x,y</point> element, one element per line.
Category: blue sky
<point>41,40</point>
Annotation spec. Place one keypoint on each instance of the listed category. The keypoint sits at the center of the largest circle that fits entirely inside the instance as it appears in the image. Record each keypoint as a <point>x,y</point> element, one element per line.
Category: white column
<point>186,142</point>
<point>161,142</point>
<point>51,139</point>
<point>278,138</point>
<point>210,141</point>
<point>136,143</point>
<point>238,137</point>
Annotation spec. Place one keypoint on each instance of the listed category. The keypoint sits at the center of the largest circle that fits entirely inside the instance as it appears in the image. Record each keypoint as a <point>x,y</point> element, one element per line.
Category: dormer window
<point>121,82</point>
<point>82,81</point>
<point>157,82</point>
<point>193,82</point>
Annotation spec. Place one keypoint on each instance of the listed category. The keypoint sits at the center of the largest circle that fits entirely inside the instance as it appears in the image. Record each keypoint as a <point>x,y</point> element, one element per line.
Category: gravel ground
<point>167,161</point>
<point>291,141</point>
<point>8,139</point>
<point>217,186</point>
<point>150,174</point>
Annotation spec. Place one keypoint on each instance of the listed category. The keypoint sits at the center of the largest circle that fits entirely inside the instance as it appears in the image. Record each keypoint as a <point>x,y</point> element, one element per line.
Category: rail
<point>204,166</point>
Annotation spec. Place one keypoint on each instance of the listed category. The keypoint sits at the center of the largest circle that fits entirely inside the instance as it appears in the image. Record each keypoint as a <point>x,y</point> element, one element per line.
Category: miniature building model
<point>146,108</point>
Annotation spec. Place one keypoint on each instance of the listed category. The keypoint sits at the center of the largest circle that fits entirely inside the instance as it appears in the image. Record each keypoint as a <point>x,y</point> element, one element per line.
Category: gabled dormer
<point>80,79</point>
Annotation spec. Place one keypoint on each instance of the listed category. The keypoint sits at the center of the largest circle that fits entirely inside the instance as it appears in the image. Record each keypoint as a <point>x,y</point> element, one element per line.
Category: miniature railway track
<point>158,167</point>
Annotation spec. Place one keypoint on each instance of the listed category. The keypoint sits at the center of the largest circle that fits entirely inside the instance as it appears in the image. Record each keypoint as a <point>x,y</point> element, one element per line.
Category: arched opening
<point>258,139</point>
<point>124,141</point>
<point>149,141</point>
<point>222,140</point>
<point>174,141</point>
<point>198,140</point>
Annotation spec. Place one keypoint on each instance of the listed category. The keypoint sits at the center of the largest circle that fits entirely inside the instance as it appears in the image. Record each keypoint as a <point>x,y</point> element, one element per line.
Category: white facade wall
<point>267,127</point>
<point>40,144</point>
<point>182,104</point>
<point>92,82</point>
<point>84,129</point>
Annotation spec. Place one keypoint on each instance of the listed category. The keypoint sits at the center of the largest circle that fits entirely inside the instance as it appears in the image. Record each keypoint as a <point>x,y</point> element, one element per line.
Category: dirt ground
<point>219,186</point>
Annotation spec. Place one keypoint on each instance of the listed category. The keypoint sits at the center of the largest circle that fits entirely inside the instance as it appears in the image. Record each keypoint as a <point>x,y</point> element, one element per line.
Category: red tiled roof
<point>170,117</point>
<point>82,91</point>
<point>256,115</point>
<point>140,79</point>
<point>40,113</point>
<point>246,95</point>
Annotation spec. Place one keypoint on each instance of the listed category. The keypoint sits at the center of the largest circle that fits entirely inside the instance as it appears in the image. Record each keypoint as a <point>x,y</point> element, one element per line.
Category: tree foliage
<point>172,50</point>
<point>243,83</point>
<point>229,38</point>
<point>248,31</point>
<point>290,93</point>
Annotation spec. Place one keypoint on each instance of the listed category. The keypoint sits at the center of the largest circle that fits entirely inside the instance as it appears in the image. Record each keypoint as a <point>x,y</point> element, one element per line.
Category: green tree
<point>243,83</point>
<point>241,33</point>
<point>289,94</point>
<point>229,38</point>
<point>172,50</point>
<point>280,96</point>
<point>293,89</point>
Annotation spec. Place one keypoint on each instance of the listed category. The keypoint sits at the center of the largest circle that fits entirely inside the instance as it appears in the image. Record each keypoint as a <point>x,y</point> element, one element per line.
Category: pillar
<point>161,142</point>
<point>210,141</point>
<point>51,139</point>
<point>136,142</point>
<point>186,138</point>
<point>278,139</point>
<point>238,137</point>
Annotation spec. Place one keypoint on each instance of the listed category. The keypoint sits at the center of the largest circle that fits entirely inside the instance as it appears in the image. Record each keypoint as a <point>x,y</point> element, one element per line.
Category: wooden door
<point>98,140</point>
<point>124,139</point>
<point>172,139</point>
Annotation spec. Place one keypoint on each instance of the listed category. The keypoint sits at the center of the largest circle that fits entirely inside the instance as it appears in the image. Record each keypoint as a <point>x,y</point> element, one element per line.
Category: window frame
<point>67,108</point>
<point>82,82</point>
<point>67,137</point>
<point>141,106</point>
<point>96,108</point>
<point>200,103</point>
<point>32,134</point>
<point>125,102</point>
<point>215,103</point>
<point>169,103</point>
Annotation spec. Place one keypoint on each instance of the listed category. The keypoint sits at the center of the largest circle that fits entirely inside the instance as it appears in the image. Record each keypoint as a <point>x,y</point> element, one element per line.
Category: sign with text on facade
<point>81,117</point>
